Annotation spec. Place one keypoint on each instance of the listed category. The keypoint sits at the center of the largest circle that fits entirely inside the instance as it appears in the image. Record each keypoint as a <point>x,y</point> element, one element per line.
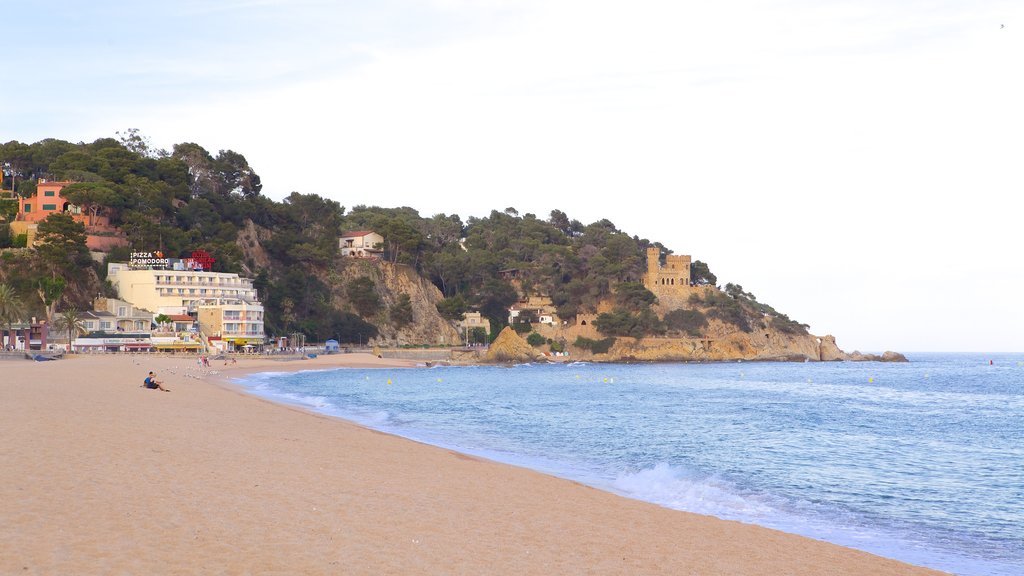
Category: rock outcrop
<point>391,281</point>
<point>510,347</point>
<point>890,356</point>
<point>723,344</point>
<point>828,350</point>
<point>887,356</point>
<point>249,241</point>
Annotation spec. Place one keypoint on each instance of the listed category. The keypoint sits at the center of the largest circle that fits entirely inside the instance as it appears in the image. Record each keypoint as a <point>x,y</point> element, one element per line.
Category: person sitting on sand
<point>151,383</point>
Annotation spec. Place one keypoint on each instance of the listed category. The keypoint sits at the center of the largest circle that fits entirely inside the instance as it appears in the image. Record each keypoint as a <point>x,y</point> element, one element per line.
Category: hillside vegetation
<point>189,199</point>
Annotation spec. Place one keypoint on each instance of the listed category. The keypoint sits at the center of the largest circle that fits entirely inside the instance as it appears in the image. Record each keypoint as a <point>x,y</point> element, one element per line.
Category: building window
<point>49,193</point>
<point>49,206</point>
<point>104,325</point>
<point>122,311</point>
<point>28,207</point>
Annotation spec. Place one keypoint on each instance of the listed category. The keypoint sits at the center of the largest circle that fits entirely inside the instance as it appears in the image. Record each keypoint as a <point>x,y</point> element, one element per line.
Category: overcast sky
<point>857,165</point>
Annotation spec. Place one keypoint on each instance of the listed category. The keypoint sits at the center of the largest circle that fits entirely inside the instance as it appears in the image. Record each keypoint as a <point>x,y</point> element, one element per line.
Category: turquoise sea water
<point>922,462</point>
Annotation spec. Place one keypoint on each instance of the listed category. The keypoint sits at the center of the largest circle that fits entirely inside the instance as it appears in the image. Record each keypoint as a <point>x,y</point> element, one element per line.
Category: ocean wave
<point>681,489</point>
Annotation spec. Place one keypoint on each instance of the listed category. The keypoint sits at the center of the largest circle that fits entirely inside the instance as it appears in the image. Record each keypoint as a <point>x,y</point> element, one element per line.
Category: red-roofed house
<point>182,322</point>
<point>361,243</point>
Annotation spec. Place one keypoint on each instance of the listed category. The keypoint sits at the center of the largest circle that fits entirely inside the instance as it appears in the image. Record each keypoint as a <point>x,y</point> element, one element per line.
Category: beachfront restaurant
<point>94,342</point>
<point>180,343</point>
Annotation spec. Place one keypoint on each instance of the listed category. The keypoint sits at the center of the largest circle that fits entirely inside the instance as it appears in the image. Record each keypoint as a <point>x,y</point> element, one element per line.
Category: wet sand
<point>101,476</point>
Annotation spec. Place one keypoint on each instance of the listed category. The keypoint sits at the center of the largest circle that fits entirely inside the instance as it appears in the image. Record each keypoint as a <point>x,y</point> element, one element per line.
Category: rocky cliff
<point>764,345</point>
<point>390,282</point>
<point>719,340</point>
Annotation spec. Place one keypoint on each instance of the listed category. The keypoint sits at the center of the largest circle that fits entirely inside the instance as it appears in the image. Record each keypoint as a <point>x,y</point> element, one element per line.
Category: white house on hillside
<point>361,243</point>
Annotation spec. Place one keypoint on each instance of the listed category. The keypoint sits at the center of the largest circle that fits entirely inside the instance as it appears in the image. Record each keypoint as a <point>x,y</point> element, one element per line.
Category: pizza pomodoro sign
<point>198,260</point>
<point>148,260</point>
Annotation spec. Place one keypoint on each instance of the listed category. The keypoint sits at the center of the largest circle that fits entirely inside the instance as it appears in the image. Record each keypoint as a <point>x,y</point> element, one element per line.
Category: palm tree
<point>11,308</point>
<point>70,320</point>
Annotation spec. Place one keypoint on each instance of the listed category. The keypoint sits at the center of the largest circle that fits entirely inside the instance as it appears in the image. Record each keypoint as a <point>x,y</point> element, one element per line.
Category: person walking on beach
<point>151,383</point>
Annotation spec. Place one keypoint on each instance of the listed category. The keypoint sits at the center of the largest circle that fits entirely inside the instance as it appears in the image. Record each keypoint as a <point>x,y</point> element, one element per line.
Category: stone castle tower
<point>674,276</point>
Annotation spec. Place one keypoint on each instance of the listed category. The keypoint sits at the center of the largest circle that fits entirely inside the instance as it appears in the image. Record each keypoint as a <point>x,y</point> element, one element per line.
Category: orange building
<point>47,200</point>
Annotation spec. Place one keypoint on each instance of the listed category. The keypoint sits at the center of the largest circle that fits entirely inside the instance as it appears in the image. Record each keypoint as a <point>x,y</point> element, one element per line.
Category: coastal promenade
<point>101,476</point>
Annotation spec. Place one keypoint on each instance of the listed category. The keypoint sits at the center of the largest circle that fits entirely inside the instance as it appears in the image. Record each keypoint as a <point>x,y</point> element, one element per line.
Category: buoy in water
<point>389,381</point>
<point>870,379</point>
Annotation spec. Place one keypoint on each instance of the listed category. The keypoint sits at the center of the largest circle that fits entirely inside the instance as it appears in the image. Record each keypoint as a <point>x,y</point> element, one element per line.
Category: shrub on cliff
<point>721,307</point>
<point>363,296</point>
<point>692,322</point>
<point>522,327</point>
<point>621,322</point>
<point>453,308</point>
<point>783,324</point>
<point>634,296</point>
<point>595,346</point>
<point>535,339</point>
<point>401,312</point>
<point>701,275</point>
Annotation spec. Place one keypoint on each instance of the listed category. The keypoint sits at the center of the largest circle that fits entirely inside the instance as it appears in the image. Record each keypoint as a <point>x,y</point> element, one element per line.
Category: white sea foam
<point>677,488</point>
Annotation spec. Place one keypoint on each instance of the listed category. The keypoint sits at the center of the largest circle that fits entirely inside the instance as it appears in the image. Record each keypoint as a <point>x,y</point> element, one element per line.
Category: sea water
<point>921,462</point>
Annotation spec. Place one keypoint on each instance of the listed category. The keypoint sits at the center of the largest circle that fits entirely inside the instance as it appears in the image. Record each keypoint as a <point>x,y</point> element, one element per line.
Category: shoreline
<point>102,476</point>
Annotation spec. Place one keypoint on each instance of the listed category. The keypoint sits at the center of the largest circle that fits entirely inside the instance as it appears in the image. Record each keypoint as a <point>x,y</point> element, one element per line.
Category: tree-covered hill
<point>190,199</point>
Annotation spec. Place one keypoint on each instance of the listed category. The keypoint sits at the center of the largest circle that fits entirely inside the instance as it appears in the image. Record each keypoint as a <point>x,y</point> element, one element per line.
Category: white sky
<point>857,165</point>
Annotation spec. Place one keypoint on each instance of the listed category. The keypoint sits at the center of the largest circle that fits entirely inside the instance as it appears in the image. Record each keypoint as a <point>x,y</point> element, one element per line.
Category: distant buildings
<point>226,306</point>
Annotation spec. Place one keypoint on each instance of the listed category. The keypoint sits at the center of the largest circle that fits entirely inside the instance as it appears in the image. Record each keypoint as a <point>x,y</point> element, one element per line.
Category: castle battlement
<point>673,276</point>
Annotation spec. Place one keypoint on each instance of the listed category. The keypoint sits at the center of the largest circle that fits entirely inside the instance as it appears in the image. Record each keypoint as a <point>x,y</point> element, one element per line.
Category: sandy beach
<point>101,476</point>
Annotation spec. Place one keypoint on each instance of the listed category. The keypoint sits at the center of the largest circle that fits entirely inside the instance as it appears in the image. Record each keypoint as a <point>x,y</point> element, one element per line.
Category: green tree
<point>50,291</point>
<point>534,339</point>
<point>701,275</point>
<point>91,196</point>
<point>16,162</point>
<point>596,346</point>
<point>453,308</point>
<point>70,322</point>
<point>622,322</point>
<point>401,312</point>
<point>11,308</point>
<point>362,294</point>
<point>161,320</point>
<point>477,335</point>
<point>634,296</point>
<point>691,322</point>
<point>61,245</point>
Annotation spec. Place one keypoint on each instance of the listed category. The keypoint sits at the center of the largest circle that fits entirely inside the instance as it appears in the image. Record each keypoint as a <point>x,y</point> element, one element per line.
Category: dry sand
<point>100,476</point>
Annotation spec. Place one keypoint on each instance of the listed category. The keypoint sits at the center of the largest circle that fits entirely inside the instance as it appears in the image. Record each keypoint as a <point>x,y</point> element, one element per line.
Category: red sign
<point>200,260</point>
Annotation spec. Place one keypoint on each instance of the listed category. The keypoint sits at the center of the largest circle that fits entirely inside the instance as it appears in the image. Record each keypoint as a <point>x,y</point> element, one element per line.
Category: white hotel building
<point>225,304</point>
